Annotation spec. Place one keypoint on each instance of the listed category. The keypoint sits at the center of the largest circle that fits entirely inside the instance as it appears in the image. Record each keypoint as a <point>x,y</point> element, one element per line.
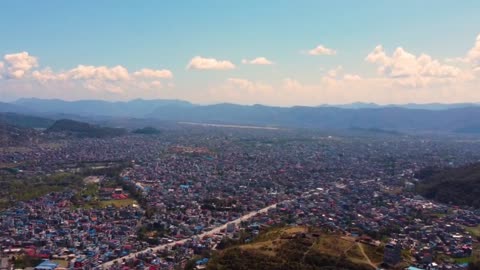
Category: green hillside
<point>82,129</point>
<point>27,121</point>
<point>298,248</point>
<point>459,186</point>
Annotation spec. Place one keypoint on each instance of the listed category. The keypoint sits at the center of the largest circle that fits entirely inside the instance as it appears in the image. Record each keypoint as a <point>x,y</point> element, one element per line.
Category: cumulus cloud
<point>322,50</point>
<point>405,64</point>
<point>21,68</point>
<point>17,64</point>
<point>402,77</point>
<point>151,73</point>
<point>47,74</point>
<point>410,70</point>
<point>473,55</point>
<point>202,63</point>
<point>99,73</point>
<point>257,61</point>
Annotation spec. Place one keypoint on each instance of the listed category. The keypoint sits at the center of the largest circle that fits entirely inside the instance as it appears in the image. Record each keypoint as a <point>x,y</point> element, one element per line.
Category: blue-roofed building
<point>414,268</point>
<point>46,265</point>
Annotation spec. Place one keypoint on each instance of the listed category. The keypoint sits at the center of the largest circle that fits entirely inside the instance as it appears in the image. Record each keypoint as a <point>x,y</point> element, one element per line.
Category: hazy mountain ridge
<point>409,117</point>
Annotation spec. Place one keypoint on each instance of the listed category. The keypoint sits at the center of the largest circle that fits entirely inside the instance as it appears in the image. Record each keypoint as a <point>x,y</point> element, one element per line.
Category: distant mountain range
<point>409,117</point>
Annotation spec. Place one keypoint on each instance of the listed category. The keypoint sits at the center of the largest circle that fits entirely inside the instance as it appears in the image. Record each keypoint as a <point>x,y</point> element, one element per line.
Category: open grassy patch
<point>61,263</point>
<point>475,231</point>
<point>118,203</point>
<point>374,253</point>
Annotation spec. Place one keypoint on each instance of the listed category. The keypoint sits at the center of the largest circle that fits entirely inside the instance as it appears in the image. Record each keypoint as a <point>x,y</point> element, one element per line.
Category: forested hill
<point>82,129</point>
<point>459,186</point>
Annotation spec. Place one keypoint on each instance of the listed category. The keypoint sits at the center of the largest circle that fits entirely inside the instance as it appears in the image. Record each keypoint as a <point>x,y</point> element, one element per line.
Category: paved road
<point>237,221</point>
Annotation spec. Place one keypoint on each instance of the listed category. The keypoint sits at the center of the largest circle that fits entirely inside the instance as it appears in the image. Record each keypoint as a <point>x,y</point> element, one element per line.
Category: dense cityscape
<point>163,200</point>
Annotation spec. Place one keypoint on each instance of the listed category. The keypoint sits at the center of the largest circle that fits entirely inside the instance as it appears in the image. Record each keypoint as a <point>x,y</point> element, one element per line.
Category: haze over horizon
<point>308,53</point>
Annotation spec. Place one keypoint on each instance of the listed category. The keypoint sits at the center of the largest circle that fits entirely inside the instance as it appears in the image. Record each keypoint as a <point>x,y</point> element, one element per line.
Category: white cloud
<point>100,73</point>
<point>156,84</point>
<point>402,77</point>
<point>473,56</point>
<point>410,70</point>
<point>17,64</point>
<point>87,81</point>
<point>322,50</point>
<point>151,73</point>
<point>47,74</point>
<point>202,63</point>
<point>257,61</point>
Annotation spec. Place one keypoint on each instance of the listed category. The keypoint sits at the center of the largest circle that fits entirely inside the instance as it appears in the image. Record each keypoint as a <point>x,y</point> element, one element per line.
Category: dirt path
<point>366,257</point>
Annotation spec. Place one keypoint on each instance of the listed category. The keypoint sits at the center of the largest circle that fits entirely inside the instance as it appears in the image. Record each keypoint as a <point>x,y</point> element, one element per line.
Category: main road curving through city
<point>215,230</point>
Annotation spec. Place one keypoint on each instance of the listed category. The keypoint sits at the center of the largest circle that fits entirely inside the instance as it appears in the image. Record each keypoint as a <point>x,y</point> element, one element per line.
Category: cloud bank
<point>398,75</point>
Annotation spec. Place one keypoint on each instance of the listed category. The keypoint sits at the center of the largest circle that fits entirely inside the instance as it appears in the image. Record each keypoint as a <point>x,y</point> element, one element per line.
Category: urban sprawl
<point>186,191</point>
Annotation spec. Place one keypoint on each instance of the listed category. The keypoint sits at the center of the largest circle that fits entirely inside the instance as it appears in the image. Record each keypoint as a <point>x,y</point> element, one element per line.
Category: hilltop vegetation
<point>297,248</point>
<point>82,129</point>
<point>460,186</point>
<point>24,189</point>
<point>147,131</point>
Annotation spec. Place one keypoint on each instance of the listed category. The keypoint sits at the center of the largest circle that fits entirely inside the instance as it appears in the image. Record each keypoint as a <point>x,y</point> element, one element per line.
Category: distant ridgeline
<point>460,186</point>
<point>371,118</point>
<point>26,121</point>
<point>82,129</point>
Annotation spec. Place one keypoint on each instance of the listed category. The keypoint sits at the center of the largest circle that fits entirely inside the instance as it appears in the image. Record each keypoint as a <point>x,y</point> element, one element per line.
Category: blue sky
<point>167,35</point>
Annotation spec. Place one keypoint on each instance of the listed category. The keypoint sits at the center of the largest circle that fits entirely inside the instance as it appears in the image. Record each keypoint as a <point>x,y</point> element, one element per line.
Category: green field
<point>61,263</point>
<point>118,203</point>
<point>475,231</point>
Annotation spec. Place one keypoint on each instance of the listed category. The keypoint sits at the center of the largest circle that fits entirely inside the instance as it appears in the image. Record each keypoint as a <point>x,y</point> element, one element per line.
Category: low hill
<point>83,129</point>
<point>11,135</point>
<point>298,248</point>
<point>147,131</point>
<point>27,121</point>
<point>459,186</point>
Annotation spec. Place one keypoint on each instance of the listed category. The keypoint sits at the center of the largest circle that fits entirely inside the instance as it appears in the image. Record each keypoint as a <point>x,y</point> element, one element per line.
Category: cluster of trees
<point>147,131</point>
<point>459,186</point>
<point>14,189</point>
